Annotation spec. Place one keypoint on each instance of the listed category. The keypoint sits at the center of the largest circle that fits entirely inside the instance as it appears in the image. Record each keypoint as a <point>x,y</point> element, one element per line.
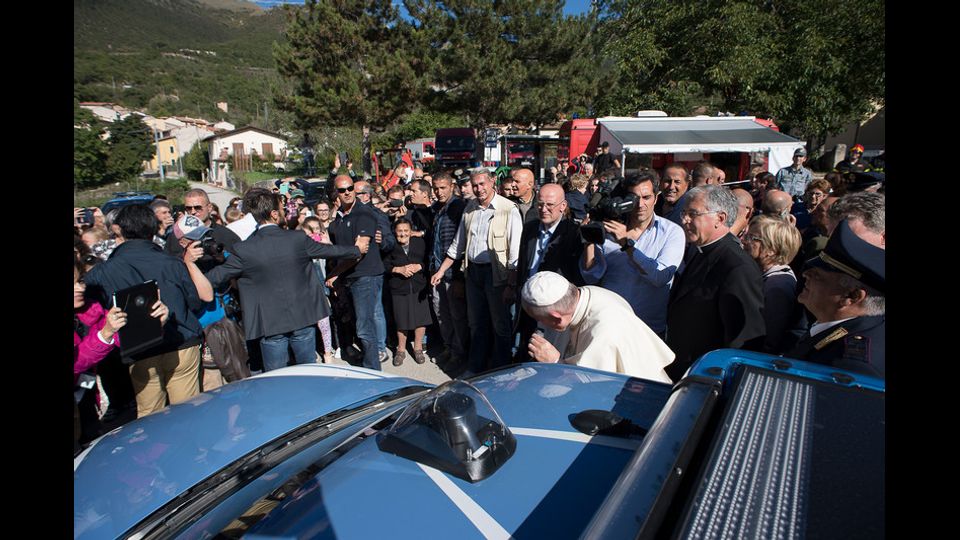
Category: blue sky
<point>572,7</point>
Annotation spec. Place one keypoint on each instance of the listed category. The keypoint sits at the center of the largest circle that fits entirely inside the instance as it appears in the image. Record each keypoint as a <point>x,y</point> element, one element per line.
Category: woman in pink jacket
<point>93,338</point>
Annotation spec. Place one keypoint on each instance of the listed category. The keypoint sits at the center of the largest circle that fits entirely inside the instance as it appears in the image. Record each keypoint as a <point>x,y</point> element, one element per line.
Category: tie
<point>542,242</point>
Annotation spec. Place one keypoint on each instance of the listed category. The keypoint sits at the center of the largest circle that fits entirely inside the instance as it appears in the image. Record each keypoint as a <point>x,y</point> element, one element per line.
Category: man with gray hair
<point>717,297</point>
<point>488,244</point>
<point>162,210</point>
<point>844,290</point>
<point>604,332</point>
<point>865,213</point>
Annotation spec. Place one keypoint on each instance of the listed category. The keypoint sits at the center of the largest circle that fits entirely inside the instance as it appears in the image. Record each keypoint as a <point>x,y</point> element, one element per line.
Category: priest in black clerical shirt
<point>716,300</point>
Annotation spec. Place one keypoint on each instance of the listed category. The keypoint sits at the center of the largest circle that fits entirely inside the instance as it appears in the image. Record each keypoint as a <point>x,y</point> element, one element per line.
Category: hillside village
<point>228,148</point>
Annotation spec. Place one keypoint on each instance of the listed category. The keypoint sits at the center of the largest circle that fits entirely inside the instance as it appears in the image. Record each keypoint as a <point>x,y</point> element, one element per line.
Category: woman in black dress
<point>408,287</point>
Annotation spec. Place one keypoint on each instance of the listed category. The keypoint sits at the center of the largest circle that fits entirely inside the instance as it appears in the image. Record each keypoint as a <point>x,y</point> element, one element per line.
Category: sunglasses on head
<point>345,189</point>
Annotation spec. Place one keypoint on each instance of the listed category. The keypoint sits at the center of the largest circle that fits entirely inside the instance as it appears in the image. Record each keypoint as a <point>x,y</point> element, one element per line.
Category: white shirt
<point>543,238</point>
<point>244,226</point>
<point>816,328</point>
<point>479,252</point>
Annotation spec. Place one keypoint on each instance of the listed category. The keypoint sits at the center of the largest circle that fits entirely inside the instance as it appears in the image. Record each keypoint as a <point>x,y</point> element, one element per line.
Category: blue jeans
<point>371,329</point>
<point>302,341</point>
<point>485,308</point>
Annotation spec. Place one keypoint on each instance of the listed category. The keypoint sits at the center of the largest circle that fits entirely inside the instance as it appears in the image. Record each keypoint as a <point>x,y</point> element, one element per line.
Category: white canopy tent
<point>701,134</point>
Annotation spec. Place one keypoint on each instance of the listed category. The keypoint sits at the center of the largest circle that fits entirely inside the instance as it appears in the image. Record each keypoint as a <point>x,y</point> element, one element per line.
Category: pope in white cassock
<point>604,332</point>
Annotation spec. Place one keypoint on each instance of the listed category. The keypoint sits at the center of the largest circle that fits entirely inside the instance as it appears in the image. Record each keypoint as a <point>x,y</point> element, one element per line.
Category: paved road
<point>427,372</point>
<point>218,196</point>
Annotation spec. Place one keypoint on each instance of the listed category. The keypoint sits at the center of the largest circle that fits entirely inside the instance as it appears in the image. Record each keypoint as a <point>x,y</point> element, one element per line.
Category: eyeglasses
<point>194,208</point>
<point>692,215</point>
<point>345,189</point>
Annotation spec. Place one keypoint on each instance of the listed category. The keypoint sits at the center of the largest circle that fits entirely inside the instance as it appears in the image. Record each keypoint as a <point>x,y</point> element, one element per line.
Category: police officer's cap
<point>849,254</point>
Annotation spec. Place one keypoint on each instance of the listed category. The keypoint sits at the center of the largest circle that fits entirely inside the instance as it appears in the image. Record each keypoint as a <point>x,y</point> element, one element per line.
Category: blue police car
<point>746,445</point>
<point>125,198</point>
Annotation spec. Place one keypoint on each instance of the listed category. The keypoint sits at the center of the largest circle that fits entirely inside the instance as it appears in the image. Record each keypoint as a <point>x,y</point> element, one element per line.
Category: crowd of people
<point>476,270</point>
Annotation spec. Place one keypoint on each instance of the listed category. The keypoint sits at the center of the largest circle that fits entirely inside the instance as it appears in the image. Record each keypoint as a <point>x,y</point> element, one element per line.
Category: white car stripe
<point>576,436</point>
<point>487,526</point>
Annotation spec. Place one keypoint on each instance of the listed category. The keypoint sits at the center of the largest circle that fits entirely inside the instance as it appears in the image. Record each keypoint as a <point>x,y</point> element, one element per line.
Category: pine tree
<point>347,64</point>
<point>520,62</point>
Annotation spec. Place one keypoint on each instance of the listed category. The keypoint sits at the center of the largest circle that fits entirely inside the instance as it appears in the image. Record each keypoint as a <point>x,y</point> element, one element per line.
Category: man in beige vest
<point>488,245</point>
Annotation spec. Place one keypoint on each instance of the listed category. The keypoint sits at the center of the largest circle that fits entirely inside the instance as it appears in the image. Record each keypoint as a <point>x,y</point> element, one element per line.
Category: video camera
<point>607,204</point>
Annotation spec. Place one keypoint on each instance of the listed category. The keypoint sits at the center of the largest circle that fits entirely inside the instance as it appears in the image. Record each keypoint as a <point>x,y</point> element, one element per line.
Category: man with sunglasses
<point>196,203</point>
<point>363,277</point>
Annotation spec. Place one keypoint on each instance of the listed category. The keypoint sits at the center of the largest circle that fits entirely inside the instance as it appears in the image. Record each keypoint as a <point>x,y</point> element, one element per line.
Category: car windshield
<point>455,143</point>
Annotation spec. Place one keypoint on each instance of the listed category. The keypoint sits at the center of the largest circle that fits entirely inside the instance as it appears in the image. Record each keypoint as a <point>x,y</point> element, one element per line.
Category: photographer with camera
<point>632,251</point>
<point>197,204</point>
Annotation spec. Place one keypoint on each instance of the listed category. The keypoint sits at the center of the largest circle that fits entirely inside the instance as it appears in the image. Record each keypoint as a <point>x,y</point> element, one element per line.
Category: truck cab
<point>455,147</point>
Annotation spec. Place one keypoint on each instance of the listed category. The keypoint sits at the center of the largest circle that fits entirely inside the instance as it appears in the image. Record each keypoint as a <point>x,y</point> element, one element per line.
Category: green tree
<point>130,143</point>
<point>348,64</point>
<point>814,66</point>
<point>516,62</point>
<point>89,150</point>
<point>195,162</point>
<point>423,123</point>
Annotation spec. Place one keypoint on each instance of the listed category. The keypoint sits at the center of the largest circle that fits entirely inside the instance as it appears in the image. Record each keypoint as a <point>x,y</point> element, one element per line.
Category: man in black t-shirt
<point>605,160</point>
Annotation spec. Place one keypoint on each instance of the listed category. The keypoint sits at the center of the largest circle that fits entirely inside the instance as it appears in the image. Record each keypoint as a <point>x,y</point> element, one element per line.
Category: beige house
<point>233,149</point>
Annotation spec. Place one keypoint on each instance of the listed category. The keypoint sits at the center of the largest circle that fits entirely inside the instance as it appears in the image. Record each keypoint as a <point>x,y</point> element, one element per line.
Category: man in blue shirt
<point>794,179</point>
<point>638,259</point>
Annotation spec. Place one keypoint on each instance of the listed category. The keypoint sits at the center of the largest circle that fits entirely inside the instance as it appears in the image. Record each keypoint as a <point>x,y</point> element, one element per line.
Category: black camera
<point>88,216</point>
<point>607,204</point>
<point>211,247</point>
<point>395,203</point>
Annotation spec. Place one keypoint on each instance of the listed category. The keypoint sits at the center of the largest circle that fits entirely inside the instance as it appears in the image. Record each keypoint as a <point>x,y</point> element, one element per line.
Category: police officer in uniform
<point>844,290</point>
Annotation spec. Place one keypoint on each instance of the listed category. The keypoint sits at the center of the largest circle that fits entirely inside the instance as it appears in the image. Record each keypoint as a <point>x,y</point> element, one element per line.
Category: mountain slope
<point>176,56</point>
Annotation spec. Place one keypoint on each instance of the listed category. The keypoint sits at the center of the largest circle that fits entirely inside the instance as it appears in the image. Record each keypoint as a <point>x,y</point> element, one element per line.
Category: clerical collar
<point>700,249</point>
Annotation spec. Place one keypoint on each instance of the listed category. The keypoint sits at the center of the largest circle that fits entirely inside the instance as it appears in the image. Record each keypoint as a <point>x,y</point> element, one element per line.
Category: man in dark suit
<point>844,289</point>
<point>279,288</point>
<point>717,299</point>
<point>550,243</point>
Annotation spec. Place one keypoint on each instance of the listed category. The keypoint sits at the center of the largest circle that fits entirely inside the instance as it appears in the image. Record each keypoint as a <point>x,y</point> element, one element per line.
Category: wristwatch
<point>629,244</point>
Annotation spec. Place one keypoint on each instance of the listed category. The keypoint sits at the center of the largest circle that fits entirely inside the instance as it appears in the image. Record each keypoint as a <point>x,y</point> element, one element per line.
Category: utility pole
<point>159,161</point>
